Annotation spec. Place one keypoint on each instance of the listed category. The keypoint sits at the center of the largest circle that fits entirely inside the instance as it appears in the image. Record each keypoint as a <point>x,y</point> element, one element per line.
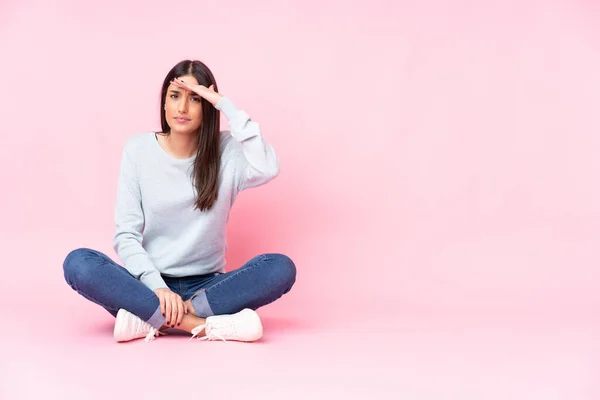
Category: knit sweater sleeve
<point>129,220</point>
<point>256,161</point>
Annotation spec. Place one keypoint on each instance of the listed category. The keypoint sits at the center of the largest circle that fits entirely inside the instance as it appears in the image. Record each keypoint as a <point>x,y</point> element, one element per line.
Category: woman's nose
<point>182,106</point>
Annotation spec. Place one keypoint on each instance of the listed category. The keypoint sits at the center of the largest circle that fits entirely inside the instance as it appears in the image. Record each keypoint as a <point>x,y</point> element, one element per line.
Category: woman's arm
<point>259,163</point>
<point>256,161</point>
<point>129,220</point>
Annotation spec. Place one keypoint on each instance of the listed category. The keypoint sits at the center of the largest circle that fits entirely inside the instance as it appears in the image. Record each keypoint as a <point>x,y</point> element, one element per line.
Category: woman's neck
<point>179,145</point>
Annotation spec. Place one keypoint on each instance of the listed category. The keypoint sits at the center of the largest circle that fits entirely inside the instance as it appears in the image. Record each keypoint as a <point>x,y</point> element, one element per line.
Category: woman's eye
<point>173,96</point>
<point>196,98</point>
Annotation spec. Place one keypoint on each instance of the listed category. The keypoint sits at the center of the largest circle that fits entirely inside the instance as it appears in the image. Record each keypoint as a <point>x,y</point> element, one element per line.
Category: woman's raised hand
<point>205,92</point>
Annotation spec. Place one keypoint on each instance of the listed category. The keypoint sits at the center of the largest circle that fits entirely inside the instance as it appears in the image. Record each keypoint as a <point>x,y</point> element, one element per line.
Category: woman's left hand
<point>207,93</point>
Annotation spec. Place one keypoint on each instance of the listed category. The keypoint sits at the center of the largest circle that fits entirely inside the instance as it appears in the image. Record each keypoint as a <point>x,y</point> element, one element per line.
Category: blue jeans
<point>260,281</point>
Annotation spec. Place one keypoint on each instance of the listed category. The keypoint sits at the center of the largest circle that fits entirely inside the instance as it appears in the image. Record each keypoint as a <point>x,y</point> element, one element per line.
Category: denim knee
<point>75,267</point>
<point>284,268</point>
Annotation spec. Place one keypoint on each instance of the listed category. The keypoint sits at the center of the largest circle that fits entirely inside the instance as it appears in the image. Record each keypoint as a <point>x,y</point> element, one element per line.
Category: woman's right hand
<point>171,306</point>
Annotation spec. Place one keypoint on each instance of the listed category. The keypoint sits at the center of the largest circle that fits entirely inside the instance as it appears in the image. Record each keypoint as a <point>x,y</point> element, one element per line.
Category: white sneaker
<point>129,326</point>
<point>244,326</point>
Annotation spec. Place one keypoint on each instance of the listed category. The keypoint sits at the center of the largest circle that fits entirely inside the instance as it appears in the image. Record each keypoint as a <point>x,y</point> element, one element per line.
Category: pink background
<point>439,193</point>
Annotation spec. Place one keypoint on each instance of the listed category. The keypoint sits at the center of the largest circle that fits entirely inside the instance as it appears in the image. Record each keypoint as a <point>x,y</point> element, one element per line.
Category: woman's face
<point>183,109</point>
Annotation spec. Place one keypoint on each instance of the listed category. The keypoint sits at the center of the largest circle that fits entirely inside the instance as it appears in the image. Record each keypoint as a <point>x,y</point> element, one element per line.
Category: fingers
<point>172,307</point>
<point>180,309</point>
<point>175,310</point>
<point>177,82</point>
<point>161,299</point>
<point>182,84</point>
<point>193,88</point>
<point>168,309</point>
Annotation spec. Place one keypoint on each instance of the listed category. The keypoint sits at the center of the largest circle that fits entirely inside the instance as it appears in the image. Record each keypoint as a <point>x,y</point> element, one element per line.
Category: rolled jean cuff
<point>200,304</point>
<point>157,320</point>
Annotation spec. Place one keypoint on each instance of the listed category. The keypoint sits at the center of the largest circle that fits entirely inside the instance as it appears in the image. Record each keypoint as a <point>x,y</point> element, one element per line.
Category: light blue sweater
<point>157,229</point>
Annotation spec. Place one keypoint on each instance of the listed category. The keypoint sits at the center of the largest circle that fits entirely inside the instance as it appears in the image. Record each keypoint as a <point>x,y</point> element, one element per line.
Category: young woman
<point>175,192</point>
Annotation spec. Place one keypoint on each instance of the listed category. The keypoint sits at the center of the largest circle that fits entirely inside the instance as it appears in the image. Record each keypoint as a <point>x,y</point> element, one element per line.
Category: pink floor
<point>373,356</point>
<point>63,349</point>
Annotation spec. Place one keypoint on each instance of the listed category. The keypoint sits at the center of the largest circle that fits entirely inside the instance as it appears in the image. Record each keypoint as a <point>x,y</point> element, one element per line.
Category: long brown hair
<point>205,176</point>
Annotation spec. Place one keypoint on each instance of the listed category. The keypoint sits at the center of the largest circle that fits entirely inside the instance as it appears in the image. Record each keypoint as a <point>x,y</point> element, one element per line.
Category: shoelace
<point>152,334</point>
<point>210,334</point>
